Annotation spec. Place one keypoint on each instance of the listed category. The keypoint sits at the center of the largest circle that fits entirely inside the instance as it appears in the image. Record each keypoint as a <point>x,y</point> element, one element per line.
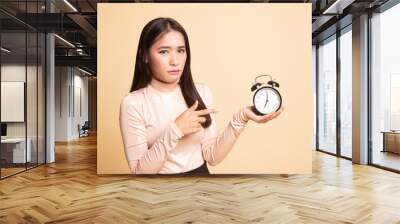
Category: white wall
<point>71,94</point>
<point>62,81</point>
<point>13,73</point>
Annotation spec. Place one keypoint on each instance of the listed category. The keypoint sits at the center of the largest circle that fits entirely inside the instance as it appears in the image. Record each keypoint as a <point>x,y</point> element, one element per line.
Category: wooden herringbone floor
<point>70,191</point>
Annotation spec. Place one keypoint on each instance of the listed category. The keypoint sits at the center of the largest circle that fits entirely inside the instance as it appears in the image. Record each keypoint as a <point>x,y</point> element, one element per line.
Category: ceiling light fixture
<point>70,5</point>
<point>84,71</point>
<point>337,7</point>
<point>5,50</point>
<point>64,40</point>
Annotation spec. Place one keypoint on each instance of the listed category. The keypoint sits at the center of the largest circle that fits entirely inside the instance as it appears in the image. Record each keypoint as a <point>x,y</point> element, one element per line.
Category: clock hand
<point>266,101</point>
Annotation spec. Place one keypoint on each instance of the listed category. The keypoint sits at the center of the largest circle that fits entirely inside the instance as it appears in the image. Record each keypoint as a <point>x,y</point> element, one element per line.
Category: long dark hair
<point>142,76</point>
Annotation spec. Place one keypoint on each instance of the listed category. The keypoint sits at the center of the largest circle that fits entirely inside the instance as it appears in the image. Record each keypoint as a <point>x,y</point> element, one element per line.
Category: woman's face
<point>167,57</point>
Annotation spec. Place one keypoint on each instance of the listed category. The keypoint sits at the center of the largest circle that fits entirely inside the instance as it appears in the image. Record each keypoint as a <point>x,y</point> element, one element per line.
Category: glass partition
<point>327,95</point>
<point>22,88</point>
<point>346,92</point>
<point>13,99</point>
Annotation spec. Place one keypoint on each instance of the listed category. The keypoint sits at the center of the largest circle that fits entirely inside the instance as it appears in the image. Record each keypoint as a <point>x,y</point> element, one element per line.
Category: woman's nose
<point>173,60</point>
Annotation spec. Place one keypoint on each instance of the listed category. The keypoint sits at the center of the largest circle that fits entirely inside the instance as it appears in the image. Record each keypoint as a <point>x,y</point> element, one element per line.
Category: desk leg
<point>384,142</point>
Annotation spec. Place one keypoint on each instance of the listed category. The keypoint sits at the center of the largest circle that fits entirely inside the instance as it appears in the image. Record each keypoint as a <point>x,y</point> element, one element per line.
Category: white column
<point>50,91</point>
<point>50,110</point>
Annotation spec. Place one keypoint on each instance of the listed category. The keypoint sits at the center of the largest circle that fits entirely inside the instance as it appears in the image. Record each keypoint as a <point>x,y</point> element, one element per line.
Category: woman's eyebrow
<point>168,47</point>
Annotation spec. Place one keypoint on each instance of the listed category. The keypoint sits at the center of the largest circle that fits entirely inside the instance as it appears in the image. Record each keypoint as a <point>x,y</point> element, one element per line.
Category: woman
<point>166,120</point>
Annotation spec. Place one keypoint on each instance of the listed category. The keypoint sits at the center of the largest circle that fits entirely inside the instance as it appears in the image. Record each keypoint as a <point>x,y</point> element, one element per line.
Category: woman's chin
<point>173,79</point>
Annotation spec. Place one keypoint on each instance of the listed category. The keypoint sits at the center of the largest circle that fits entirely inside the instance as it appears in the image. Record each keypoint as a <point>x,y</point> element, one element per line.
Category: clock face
<point>267,100</point>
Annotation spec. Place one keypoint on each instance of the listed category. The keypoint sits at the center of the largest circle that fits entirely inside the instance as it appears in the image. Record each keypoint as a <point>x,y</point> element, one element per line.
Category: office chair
<point>84,130</point>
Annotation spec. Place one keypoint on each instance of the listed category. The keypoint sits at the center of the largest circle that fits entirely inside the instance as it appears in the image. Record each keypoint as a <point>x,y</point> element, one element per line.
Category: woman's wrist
<point>245,115</point>
<point>241,116</point>
<point>177,130</point>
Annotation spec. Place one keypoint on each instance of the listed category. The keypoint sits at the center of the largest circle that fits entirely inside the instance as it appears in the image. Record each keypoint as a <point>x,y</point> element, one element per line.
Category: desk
<point>15,148</point>
<point>391,141</point>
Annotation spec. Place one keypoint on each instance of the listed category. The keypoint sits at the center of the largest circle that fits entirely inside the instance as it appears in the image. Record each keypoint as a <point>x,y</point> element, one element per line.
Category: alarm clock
<point>267,98</point>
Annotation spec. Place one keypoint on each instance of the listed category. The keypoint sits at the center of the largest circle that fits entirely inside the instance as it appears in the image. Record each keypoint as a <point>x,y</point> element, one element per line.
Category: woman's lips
<point>174,72</point>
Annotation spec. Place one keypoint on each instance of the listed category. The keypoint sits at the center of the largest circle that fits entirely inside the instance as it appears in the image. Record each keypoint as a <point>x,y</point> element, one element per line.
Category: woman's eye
<point>182,51</point>
<point>163,52</point>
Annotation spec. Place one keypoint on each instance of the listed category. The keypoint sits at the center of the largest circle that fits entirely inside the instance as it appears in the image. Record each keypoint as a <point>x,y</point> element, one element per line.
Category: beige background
<point>230,45</point>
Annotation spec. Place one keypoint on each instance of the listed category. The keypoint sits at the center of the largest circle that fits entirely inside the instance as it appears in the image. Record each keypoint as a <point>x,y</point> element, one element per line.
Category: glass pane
<point>31,83</point>
<point>13,87</point>
<point>31,100</point>
<point>22,74</point>
<point>327,96</point>
<point>386,89</point>
<point>346,94</point>
<point>41,98</point>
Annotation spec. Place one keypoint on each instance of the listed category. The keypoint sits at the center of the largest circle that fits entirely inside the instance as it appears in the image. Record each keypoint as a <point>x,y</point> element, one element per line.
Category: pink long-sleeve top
<point>154,144</point>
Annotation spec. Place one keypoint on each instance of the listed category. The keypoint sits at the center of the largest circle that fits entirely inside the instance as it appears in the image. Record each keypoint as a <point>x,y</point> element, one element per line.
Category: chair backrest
<point>86,125</point>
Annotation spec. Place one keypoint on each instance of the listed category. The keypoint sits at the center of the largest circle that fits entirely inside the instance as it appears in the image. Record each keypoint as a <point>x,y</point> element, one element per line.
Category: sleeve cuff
<point>240,117</point>
<point>176,130</point>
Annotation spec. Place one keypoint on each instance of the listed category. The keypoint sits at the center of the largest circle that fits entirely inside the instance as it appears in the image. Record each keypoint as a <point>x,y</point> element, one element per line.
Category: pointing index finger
<point>205,111</point>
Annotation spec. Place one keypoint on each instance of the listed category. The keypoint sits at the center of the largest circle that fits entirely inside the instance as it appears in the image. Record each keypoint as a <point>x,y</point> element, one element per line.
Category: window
<point>346,92</point>
<point>385,88</point>
<point>327,95</point>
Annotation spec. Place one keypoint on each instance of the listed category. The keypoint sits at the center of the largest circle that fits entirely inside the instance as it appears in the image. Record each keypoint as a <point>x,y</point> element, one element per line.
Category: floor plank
<point>70,191</point>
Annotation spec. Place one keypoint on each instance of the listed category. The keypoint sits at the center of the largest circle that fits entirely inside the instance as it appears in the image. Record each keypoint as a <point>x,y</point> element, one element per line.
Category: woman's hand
<point>190,120</point>
<point>251,115</point>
